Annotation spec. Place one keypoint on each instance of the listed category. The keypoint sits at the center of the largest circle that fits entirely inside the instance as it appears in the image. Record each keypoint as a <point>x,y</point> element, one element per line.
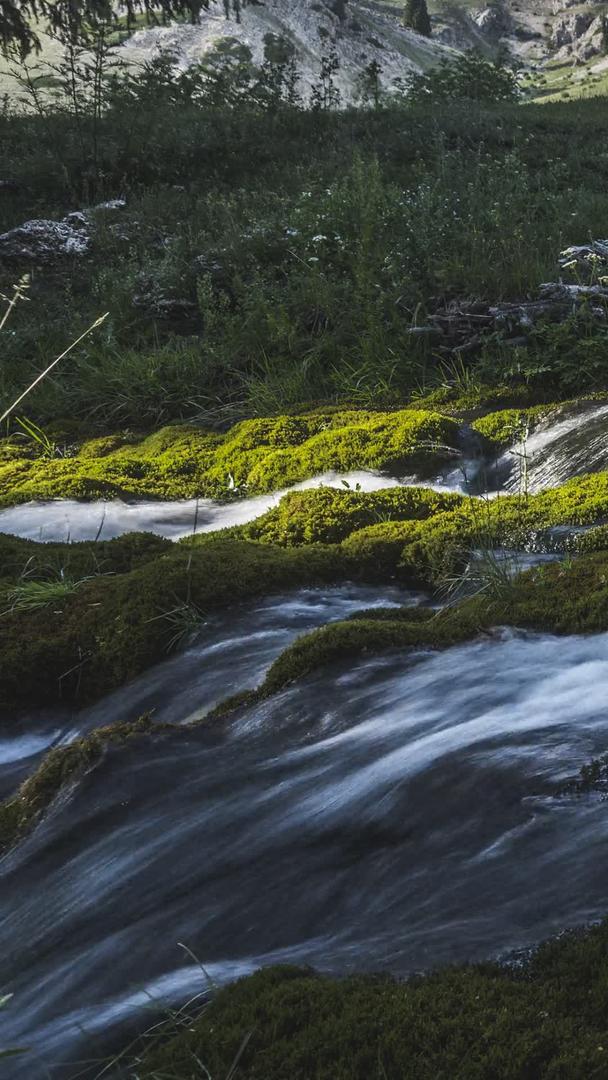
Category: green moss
<point>544,1020</point>
<point>114,626</point>
<point>60,768</point>
<point>183,461</point>
<point>562,599</point>
<point>509,425</point>
<point>457,400</point>
<point>77,560</point>
<point>329,515</point>
<point>422,535</point>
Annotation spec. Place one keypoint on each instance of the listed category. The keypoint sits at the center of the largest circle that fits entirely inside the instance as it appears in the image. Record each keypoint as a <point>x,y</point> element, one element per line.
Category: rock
<point>165,307</point>
<point>583,251</point>
<point>494,22</point>
<point>571,28</point>
<point>45,241</point>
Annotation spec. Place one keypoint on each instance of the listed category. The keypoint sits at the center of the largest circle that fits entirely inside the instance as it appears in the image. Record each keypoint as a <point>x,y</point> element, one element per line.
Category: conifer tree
<point>416,17</point>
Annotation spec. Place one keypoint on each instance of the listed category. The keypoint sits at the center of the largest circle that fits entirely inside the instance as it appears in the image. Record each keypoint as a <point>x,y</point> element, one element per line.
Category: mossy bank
<point>106,611</point>
<point>257,456</point>
<point>543,1019</point>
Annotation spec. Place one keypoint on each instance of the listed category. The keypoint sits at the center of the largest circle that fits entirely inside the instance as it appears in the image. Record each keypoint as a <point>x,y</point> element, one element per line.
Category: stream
<point>394,834</point>
<point>394,813</point>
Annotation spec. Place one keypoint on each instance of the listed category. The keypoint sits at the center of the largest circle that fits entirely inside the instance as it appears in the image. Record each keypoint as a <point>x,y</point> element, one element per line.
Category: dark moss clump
<point>20,557</point>
<point>545,1020</point>
<point>256,456</point>
<point>59,768</point>
<point>113,626</point>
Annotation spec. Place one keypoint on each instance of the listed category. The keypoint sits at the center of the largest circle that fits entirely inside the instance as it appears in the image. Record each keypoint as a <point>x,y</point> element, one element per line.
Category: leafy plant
<point>46,446</point>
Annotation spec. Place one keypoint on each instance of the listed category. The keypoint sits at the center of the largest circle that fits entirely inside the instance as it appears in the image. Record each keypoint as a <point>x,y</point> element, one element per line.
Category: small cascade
<point>424,819</point>
<point>557,451</point>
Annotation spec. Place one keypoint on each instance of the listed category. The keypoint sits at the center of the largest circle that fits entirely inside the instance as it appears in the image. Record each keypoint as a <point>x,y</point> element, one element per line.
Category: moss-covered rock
<point>510,425</point>
<point>119,619</point>
<point>19,557</point>
<point>256,456</point>
<point>115,625</point>
<point>328,515</point>
<point>544,1020</point>
<point>562,599</point>
<point>60,768</point>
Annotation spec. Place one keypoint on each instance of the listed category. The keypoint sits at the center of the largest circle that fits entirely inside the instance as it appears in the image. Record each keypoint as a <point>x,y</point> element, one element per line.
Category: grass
<point>271,261</point>
<point>35,595</point>
<point>298,253</point>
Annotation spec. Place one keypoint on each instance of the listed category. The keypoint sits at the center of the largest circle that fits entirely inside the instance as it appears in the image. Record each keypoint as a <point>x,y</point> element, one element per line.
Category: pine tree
<point>416,17</point>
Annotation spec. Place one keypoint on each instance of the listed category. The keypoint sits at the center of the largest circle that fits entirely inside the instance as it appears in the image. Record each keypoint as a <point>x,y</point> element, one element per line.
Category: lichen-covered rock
<point>45,241</point>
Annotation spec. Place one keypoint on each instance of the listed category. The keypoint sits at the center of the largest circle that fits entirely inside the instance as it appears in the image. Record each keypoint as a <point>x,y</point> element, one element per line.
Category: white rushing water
<point>70,519</point>
<point>558,450</point>
<point>399,813</point>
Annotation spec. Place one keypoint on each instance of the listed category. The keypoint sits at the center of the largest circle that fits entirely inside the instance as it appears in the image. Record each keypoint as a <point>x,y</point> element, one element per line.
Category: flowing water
<point>395,813</point>
<point>352,822</point>
<point>231,653</point>
<point>70,519</point>
<point>557,451</point>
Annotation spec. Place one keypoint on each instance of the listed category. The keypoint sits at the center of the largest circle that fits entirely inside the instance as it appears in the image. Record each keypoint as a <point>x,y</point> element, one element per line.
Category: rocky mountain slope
<point>368,33</point>
<point>562,45</point>
<point>543,35</point>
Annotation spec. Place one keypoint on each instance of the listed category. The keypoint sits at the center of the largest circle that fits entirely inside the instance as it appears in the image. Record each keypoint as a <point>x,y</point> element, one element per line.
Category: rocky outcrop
<point>44,241</point>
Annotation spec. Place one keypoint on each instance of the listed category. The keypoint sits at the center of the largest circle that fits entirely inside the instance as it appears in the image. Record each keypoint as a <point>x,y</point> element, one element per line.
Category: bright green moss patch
<point>422,535</point>
<point>328,515</point>
<point>256,456</point>
<point>510,425</point>
<point>544,1020</point>
<point>60,768</point>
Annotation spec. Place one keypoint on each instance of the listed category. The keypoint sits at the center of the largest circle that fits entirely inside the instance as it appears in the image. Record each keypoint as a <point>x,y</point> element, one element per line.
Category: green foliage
<point>73,18</point>
<point>31,595</point>
<point>470,77</point>
<point>301,250</point>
